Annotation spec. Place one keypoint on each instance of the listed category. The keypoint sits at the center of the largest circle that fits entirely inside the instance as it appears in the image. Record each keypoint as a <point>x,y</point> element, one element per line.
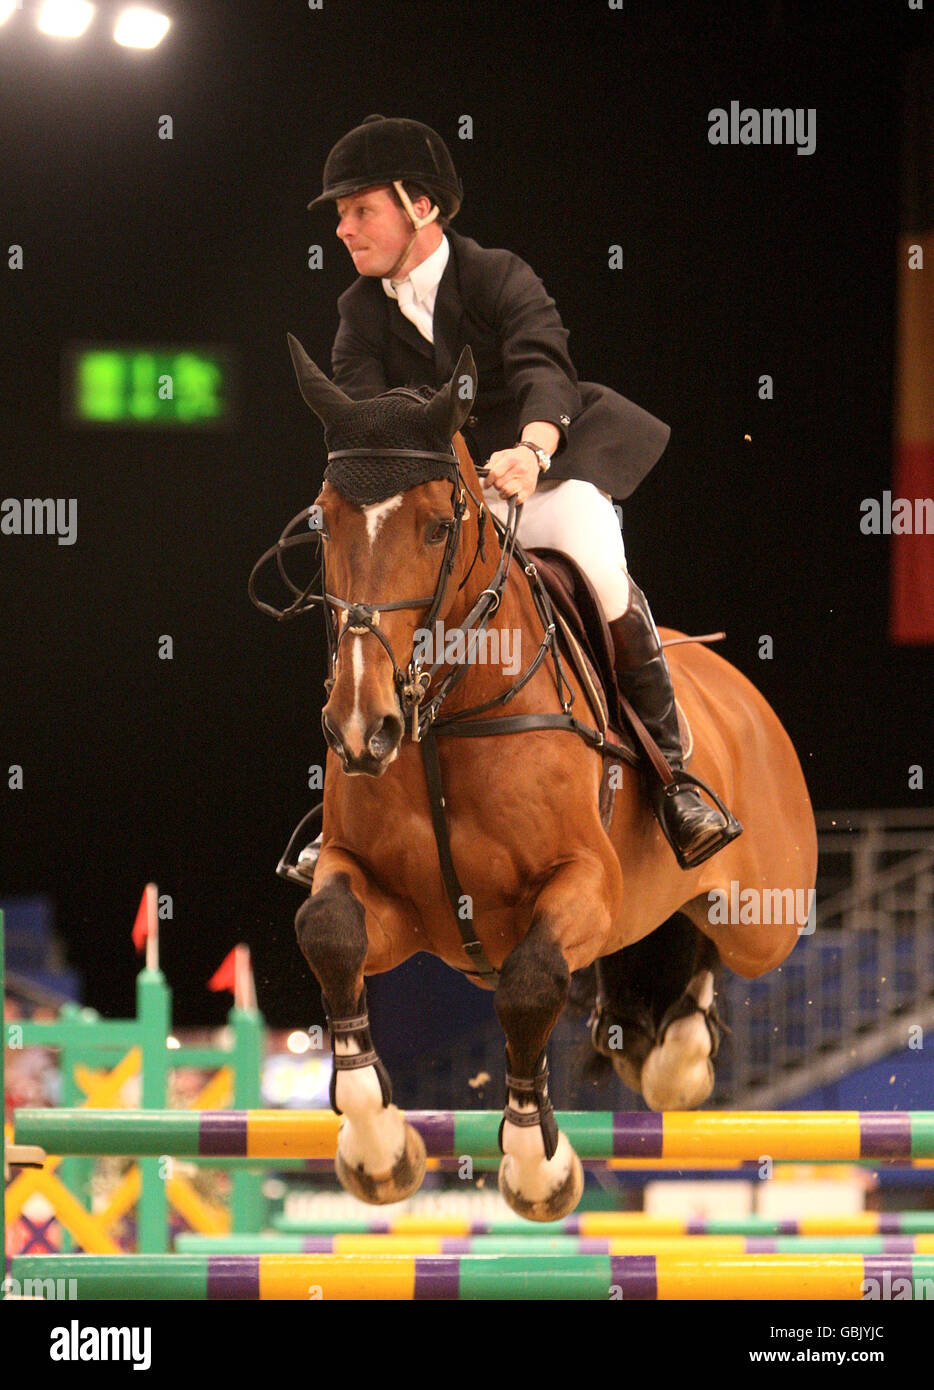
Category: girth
<point>460,726</point>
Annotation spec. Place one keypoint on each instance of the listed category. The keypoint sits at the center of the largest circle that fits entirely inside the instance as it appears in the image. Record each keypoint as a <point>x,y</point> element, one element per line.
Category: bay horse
<point>493,855</point>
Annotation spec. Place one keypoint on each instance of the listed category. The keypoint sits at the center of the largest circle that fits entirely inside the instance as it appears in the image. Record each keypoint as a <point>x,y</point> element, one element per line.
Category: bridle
<point>422,715</point>
<point>413,681</point>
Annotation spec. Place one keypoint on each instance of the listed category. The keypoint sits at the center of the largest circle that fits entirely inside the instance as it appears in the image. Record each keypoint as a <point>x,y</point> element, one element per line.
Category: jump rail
<point>468,1277</point>
<point>801,1135</point>
<point>188,1243</point>
<point>612,1224</point>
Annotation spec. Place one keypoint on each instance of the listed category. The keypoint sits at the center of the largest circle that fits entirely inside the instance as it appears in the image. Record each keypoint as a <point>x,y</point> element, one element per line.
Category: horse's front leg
<point>380,1158</point>
<point>540,1175</point>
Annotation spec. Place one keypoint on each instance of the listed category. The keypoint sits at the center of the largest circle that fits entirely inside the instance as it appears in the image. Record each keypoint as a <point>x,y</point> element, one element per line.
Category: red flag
<point>912,593</point>
<point>144,923</point>
<point>225,975</point>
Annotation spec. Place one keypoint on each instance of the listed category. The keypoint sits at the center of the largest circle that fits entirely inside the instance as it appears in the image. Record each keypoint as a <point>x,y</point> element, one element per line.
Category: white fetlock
<point>537,1188</point>
<point>678,1074</point>
<point>371,1133</point>
<point>379,1157</point>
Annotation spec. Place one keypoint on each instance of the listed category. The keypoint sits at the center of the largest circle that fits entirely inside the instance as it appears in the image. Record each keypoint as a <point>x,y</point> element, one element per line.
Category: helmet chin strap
<point>417,224</point>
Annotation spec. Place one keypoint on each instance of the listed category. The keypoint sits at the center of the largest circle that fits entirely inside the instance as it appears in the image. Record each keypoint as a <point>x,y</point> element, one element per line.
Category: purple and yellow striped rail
<point>617,1223</point>
<point>801,1135</point>
<point>647,1167</point>
<point>496,1277</point>
<point>276,1243</point>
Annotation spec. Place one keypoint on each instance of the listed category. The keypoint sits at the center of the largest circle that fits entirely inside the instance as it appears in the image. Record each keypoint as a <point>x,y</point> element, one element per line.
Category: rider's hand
<point>513,472</point>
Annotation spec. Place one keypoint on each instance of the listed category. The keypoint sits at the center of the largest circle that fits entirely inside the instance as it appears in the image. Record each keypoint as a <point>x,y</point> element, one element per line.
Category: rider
<point>423,292</point>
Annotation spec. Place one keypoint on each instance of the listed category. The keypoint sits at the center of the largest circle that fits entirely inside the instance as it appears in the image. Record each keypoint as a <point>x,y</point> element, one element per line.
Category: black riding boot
<point>694,830</point>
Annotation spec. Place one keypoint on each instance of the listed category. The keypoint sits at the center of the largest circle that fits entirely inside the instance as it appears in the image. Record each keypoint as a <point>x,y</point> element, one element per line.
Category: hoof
<point>400,1182</point>
<point>679,1075</point>
<point>557,1204</point>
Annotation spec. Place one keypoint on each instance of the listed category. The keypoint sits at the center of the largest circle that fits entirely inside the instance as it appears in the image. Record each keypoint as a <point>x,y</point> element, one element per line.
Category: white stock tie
<point>415,313</point>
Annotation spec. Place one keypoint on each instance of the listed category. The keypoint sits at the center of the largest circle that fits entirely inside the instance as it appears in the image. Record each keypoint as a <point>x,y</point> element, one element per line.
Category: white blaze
<point>355,728</point>
<point>377,512</point>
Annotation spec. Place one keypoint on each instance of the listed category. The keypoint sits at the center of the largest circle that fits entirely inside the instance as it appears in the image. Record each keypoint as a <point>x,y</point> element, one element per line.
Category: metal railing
<point>849,993</point>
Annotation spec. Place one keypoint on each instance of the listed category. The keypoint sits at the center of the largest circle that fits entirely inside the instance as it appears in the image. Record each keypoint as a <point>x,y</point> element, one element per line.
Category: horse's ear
<point>324,398</point>
<point>448,410</point>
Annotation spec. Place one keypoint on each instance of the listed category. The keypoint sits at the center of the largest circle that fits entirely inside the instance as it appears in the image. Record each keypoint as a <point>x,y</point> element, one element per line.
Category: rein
<point>423,715</point>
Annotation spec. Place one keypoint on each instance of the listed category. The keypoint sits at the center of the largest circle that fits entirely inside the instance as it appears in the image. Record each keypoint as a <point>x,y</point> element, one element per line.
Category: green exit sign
<point>148,387</point>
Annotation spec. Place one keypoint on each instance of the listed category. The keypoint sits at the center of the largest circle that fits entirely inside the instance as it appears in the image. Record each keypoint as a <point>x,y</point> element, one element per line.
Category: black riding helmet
<point>384,150</point>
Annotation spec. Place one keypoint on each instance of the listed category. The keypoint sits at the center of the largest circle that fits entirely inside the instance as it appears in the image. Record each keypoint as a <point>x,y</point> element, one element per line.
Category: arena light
<point>139,27</point>
<point>6,9</point>
<point>298,1042</point>
<point>65,19</point>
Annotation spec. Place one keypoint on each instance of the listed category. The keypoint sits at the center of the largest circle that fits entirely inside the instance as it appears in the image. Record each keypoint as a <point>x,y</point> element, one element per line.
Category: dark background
<point>590,128</point>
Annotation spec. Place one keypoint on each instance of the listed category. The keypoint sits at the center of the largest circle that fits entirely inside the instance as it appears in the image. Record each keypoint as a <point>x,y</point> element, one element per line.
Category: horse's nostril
<point>385,736</point>
<point>332,737</point>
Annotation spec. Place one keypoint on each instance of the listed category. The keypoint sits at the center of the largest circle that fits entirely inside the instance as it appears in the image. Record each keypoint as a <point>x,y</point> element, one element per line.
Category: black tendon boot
<point>694,830</point>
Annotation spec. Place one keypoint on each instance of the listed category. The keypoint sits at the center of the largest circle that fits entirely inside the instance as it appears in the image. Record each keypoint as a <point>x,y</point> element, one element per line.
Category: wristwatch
<point>544,460</point>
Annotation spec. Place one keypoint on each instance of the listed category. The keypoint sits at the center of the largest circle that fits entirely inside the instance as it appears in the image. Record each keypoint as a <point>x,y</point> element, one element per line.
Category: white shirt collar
<point>426,276</point>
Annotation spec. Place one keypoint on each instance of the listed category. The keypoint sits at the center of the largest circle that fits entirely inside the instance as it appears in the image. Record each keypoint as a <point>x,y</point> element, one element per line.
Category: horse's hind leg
<point>380,1158</point>
<point>655,1016</point>
<point>678,1073</point>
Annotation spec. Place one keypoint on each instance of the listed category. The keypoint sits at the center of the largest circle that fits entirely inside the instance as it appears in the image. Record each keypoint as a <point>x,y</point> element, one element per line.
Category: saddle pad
<point>587,643</point>
<point>584,640</point>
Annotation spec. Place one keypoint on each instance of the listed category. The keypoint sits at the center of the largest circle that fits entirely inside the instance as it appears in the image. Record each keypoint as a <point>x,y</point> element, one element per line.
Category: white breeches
<point>577,518</point>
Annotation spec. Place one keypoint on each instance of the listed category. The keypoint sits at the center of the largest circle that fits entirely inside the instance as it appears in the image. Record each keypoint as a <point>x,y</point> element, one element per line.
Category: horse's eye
<point>436,532</point>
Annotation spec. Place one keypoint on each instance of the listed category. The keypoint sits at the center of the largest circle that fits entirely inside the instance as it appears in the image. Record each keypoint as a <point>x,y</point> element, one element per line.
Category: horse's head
<point>390,517</point>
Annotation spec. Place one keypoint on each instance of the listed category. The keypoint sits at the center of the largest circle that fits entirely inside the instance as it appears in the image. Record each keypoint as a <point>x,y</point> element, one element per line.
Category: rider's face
<point>374,230</point>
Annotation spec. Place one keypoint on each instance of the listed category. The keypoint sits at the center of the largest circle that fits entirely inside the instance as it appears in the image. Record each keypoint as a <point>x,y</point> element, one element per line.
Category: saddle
<point>585,641</point>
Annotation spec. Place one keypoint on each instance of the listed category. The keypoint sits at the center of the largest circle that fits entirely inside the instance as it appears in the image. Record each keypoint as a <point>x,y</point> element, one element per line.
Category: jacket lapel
<point>446,325</point>
<point>448,318</point>
<point>405,329</point>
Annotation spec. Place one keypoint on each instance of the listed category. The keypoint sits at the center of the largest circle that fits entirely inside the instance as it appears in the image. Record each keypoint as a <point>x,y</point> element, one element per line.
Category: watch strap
<point>542,457</point>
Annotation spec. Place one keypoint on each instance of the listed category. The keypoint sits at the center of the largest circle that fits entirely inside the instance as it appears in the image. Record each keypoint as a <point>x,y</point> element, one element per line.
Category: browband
<point>376,451</point>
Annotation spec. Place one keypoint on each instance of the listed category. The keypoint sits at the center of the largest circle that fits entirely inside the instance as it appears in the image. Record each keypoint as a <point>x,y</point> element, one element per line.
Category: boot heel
<point>731,829</point>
